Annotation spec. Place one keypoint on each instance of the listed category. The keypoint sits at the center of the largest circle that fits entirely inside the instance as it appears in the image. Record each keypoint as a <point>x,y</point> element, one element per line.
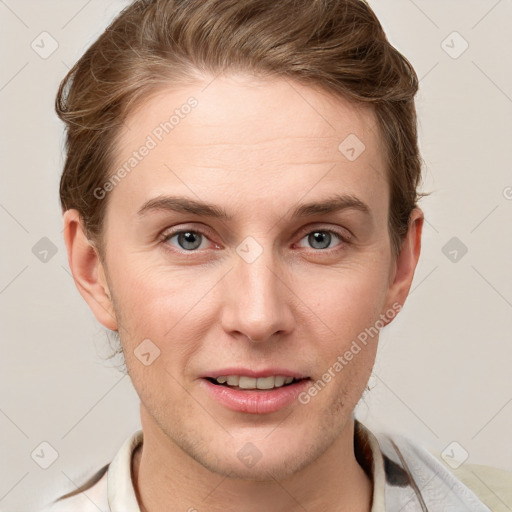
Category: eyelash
<point>345,240</point>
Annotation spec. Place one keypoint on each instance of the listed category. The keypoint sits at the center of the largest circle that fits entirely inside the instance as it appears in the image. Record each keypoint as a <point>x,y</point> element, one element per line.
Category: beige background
<point>443,370</point>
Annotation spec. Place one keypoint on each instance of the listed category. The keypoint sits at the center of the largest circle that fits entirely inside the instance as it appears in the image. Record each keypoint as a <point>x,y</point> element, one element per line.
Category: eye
<point>187,239</point>
<point>321,239</point>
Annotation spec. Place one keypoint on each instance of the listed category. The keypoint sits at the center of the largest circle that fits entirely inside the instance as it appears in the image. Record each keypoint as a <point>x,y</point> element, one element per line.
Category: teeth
<point>232,380</point>
<point>244,382</point>
<point>279,381</point>
<point>247,382</point>
<point>265,382</point>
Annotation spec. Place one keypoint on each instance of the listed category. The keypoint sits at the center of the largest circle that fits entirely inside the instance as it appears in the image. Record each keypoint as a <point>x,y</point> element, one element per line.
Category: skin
<point>257,148</point>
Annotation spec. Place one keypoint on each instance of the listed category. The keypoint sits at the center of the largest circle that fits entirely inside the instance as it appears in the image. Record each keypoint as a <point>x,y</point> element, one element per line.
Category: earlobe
<point>87,270</point>
<point>406,261</point>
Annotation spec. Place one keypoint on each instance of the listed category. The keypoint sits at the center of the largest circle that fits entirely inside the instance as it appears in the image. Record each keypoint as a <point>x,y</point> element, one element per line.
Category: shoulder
<point>90,497</point>
<point>413,473</point>
<point>114,478</point>
<point>492,485</point>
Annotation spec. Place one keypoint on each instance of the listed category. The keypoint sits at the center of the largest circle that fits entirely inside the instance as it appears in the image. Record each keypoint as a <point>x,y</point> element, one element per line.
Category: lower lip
<point>254,401</point>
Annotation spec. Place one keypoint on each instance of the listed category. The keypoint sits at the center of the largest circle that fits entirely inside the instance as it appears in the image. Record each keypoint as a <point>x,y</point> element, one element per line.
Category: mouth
<point>244,382</point>
<point>257,393</point>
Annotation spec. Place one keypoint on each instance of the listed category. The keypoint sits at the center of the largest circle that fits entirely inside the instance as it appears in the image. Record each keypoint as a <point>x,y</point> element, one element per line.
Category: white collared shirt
<point>405,478</point>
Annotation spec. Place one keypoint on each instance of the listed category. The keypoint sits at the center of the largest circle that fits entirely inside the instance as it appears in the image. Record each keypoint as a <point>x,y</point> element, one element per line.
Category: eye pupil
<point>320,237</point>
<point>186,240</point>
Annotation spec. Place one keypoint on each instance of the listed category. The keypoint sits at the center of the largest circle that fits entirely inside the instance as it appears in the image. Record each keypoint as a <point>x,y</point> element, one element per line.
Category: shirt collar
<point>121,494</point>
<point>369,456</point>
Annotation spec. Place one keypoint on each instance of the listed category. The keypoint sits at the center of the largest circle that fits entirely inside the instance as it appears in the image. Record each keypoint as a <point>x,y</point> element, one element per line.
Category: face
<point>268,288</point>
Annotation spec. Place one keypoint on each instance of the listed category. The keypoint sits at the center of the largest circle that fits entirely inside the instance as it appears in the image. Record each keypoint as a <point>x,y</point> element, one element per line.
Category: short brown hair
<point>338,45</point>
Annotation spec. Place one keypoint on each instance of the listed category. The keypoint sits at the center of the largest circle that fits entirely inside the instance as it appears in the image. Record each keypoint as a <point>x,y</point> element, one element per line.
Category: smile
<point>245,382</point>
<point>262,395</point>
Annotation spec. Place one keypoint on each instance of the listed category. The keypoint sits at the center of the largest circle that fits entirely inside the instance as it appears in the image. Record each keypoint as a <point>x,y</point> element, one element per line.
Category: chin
<point>264,460</point>
<point>280,467</point>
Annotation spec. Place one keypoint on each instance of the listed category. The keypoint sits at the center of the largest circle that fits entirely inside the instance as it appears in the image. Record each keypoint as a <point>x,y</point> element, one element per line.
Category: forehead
<point>261,139</point>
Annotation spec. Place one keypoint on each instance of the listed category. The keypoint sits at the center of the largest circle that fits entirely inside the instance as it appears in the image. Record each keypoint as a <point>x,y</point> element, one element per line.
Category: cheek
<point>350,308</point>
<point>170,308</point>
<point>349,300</point>
<point>152,299</point>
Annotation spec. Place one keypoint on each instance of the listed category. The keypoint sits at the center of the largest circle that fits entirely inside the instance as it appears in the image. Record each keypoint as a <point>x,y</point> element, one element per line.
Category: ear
<point>87,270</point>
<point>404,265</point>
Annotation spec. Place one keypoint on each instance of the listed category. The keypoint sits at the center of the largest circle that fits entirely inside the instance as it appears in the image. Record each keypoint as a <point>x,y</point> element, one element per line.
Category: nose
<point>258,300</point>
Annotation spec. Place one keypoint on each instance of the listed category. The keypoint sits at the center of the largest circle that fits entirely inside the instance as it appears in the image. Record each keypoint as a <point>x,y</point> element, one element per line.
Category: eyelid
<point>171,232</point>
<point>343,233</point>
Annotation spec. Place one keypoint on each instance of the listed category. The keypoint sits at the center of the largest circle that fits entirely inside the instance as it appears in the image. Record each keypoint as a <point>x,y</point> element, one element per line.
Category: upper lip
<point>265,372</point>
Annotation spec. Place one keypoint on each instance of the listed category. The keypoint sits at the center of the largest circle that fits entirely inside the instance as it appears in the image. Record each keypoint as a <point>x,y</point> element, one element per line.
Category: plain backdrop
<point>443,370</point>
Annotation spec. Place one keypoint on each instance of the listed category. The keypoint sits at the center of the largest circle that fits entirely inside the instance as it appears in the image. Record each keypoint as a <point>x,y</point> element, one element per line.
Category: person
<point>240,201</point>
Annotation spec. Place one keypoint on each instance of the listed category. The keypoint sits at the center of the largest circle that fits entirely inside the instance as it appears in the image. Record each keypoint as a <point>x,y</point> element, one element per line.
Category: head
<point>241,191</point>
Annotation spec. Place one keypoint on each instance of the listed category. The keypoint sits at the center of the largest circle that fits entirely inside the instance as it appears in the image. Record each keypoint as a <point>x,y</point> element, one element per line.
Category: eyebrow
<point>332,204</point>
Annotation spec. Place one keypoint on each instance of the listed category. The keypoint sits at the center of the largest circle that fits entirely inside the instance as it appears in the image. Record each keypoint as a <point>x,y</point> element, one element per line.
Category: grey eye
<point>188,240</point>
<point>320,239</point>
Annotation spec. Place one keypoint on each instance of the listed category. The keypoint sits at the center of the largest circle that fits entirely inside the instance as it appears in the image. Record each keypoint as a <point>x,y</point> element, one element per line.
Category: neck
<point>166,478</point>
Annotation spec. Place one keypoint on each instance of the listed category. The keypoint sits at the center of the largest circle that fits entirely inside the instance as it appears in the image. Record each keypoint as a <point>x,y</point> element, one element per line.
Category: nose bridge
<point>257,305</point>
